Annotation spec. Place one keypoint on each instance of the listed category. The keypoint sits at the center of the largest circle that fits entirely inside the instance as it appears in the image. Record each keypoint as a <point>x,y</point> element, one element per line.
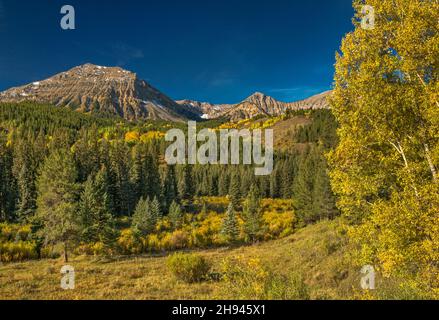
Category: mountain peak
<point>93,88</point>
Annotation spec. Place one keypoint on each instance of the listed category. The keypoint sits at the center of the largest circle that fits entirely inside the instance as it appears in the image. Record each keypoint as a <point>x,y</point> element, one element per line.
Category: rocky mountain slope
<point>92,88</point>
<point>261,104</point>
<point>113,90</point>
<point>256,104</point>
<point>205,110</point>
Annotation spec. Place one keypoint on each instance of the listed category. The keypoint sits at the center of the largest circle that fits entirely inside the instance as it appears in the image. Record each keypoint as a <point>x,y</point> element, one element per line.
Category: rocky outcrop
<point>261,104</point>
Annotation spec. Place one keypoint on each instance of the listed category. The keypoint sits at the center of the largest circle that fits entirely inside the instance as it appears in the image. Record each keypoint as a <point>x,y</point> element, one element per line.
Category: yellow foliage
<point>129,243</point>
<point>17,251</point>
<point>151,135</point>
<point>132,136</point>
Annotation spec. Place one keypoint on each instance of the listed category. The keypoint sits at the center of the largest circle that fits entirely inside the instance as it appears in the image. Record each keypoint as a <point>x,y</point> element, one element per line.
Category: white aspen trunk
<point>430,162</point>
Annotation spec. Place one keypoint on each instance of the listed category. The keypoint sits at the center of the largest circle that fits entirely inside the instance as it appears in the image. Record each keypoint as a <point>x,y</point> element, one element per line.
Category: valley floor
<point>316,252</point>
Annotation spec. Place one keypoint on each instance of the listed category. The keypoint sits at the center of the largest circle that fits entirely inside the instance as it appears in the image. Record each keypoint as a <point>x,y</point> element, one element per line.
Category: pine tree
<point>137,174</point>
<point>303,187</point>
<point>323,197</point>
<point>144,220</point>
<point>156,211</point>
<point>185,184</point>
<point>175,215</point>
<point>223,183</point>
<point>170,190</point>
<point>152,176</point>
<point>97,221</point>
<point>230,228</point>
<point>8,194</point>
<point>235,192</point>
<point>57,198</point>
<point>25,177</point>
<point>252,214</point>
<point>120,167</point>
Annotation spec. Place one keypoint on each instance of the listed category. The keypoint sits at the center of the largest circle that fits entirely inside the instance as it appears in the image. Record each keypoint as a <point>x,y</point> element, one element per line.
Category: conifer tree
<point>57,200</point>
<point>25,177</point>
<point>185,184</point>
<point>223,184</point>
<point>152,176</point>
<point>144,221</point>
<point>120,164</point>
<point>137,174</point>
<point>169,190</point>
<point>230,228</point>
<point>175,215</point>
<point>8,194</point>
<point>97,221</point>
<point>252,214</point>
<point>156,211</point>
<point>235,192</point>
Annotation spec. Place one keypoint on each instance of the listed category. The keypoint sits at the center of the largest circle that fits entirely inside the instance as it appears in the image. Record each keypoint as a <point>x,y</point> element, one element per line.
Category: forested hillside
<point>106,180</point>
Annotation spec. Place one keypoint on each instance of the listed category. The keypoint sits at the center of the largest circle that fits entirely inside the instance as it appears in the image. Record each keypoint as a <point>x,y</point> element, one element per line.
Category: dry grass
<point>316,252</point>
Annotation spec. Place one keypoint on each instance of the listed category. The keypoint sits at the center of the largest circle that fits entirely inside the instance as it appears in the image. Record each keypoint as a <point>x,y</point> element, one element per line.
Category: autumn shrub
<point>152,243</point>
<point>278,225</point>
<point>129,242</point>
<point>251,280</point>
<point>17,251</point>
<point>175,240</point>
<point>189,268</point>
<point>14,232</point>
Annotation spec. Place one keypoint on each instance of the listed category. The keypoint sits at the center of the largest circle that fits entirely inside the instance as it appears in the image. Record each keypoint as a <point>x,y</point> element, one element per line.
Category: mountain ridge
<point>99,89</point>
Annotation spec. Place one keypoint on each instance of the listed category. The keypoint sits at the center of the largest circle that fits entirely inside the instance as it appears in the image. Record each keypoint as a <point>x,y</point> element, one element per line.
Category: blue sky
<point>219,51</point>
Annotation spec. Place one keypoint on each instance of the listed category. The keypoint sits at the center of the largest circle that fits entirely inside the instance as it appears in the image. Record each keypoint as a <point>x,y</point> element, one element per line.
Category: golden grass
<point>316,252</point>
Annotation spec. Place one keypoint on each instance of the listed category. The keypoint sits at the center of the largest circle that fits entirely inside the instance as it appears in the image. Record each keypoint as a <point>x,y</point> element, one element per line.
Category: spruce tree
<point>303,187</point>
<point>97,221</point>
<point>24,173</point>
<point>175,215</point>
<point>8,188</point>
<point>137,174</point>
<point>156,211</point>
<point>144,220</point>
<point>230,228</point>
<point>186,187</point>
<point>57,200</point>
<point>235,192</point>
<point>120,167</point>
<point>152,176</point>
<point>252,214</point>
<point>169,190</point>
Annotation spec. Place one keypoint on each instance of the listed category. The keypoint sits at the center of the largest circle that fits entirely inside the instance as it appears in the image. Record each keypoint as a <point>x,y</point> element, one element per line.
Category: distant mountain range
<point>113,90</point>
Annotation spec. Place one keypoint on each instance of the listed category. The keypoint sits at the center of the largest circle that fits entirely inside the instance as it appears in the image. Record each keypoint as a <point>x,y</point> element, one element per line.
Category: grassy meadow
<point>314,252</point>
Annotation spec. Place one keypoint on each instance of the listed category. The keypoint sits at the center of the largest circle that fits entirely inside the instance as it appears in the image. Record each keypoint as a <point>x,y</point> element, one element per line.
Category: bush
<point>17,251</point>
<point>14,232</point>
<point>188,267</point>
<point>129,242</point>
<point>175,240</point>
<point>278,225</point>
<point>253,281</point>
<point>153,243</point>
